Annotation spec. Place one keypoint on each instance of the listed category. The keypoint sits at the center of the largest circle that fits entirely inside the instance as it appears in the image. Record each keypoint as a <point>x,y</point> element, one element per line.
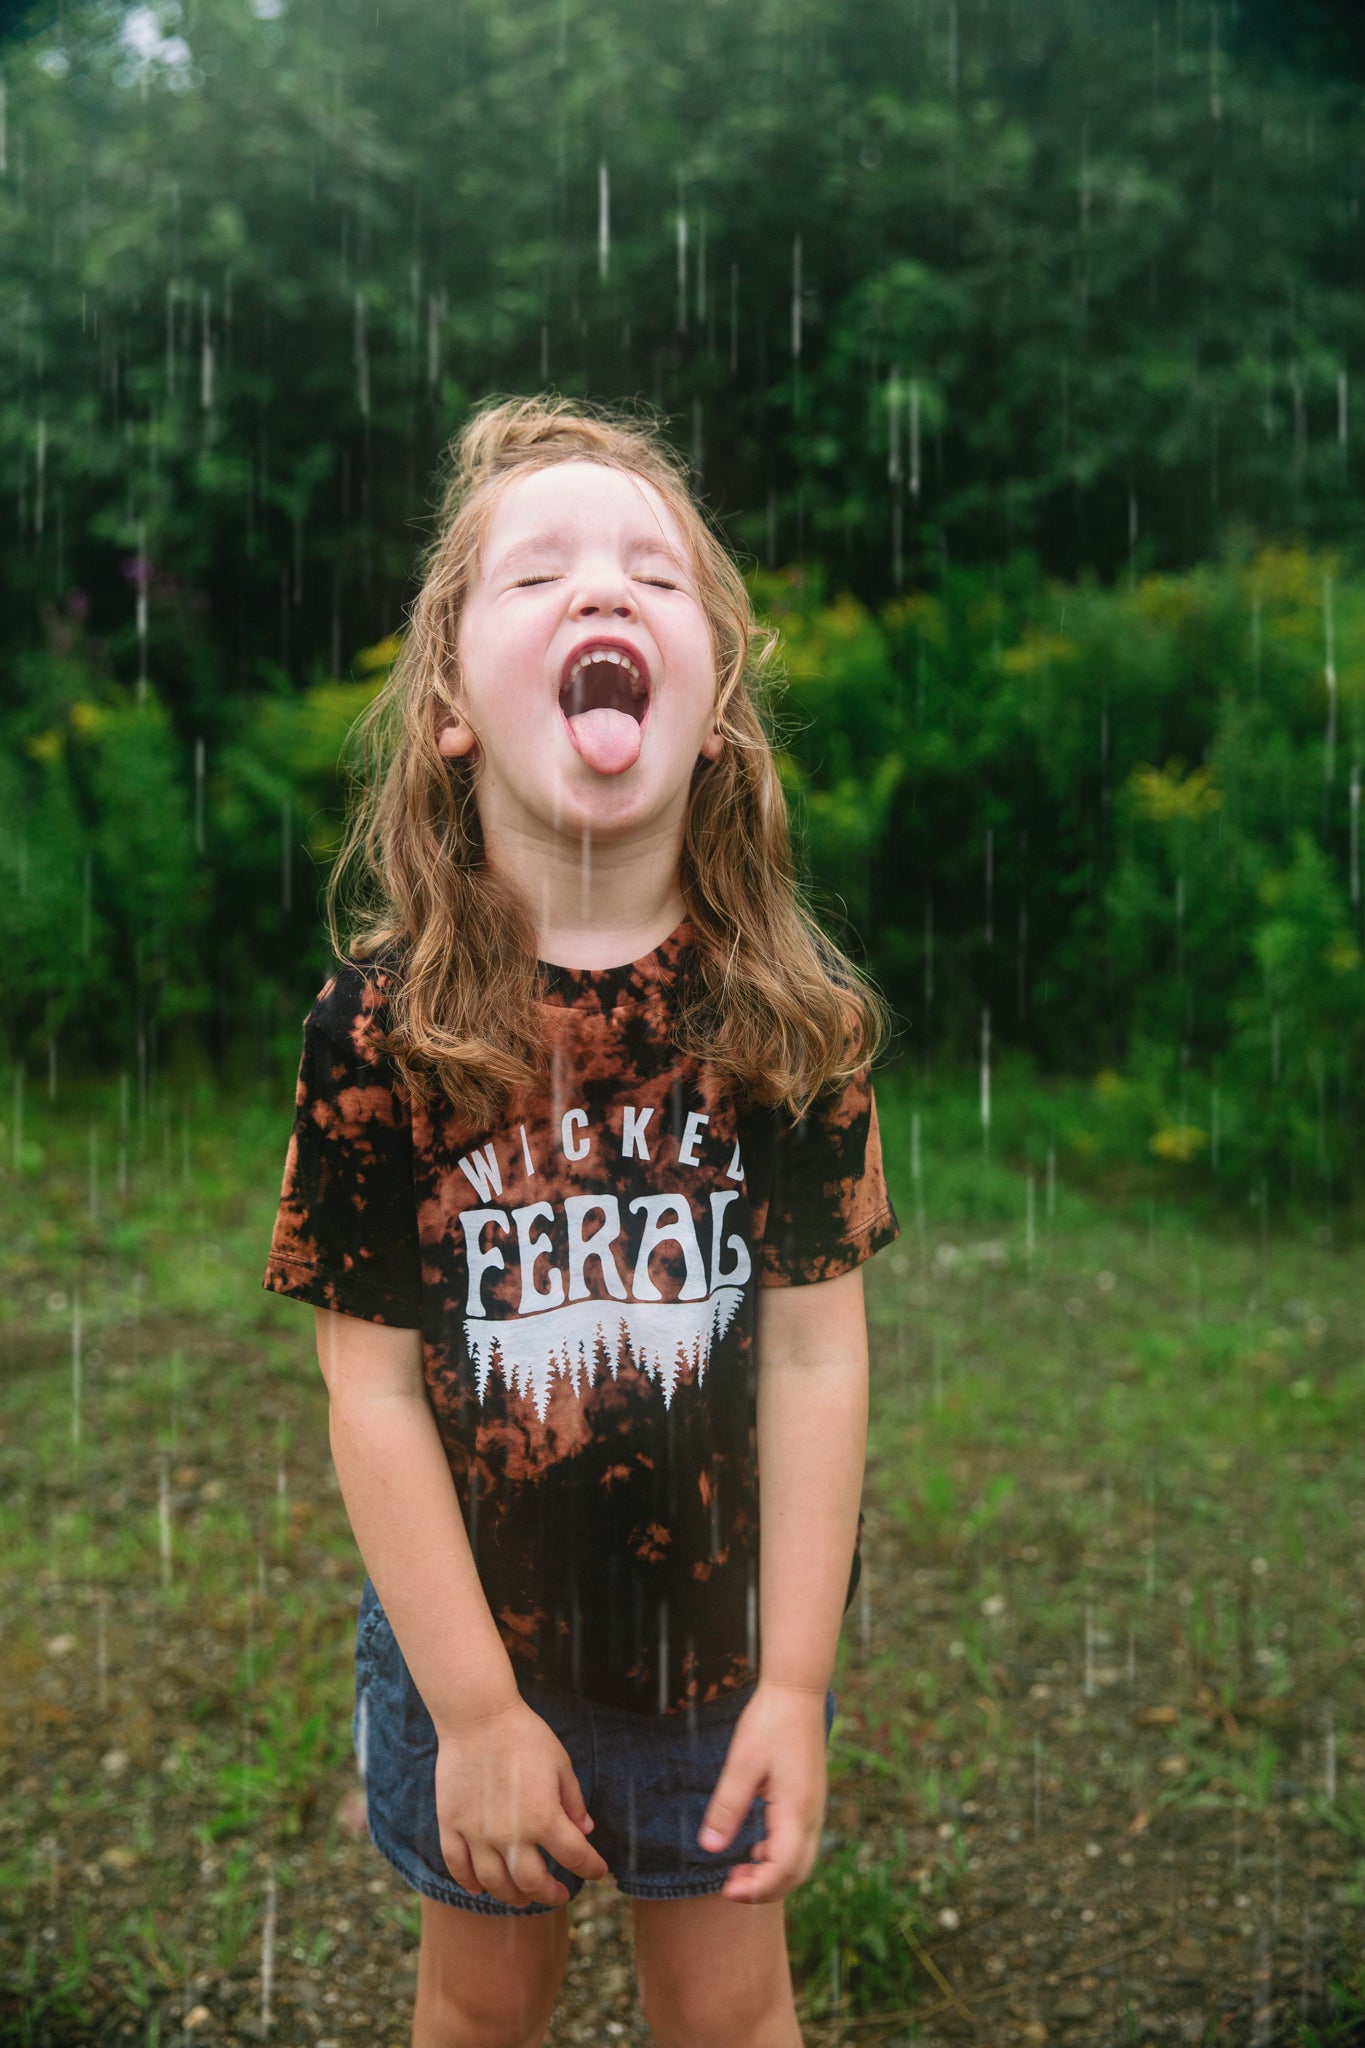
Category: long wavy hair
<point>770,1000</point>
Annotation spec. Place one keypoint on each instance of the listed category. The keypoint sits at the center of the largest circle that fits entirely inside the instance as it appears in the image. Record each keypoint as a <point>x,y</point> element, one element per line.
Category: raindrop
<point>75,1371</point>
<point>205,356</point>
<point>1343,412</point>
<point>437,310</point>
<point>682,270</point>
<point>286,858</point>
<point>94,1189</point>
<point>163,1510</point>
<point>102,1650</point>
<point>268,1948</point>
<point>42,476</point>
<point>362,1736</point>
<point>18,1119</point>
<point>544,353</point>
<point>1355,836</point>
<point>603,221</point>
<point>796,299</point>
<point>1030,1239</point>
<point>1330,677</point>
<point>1051,1182</point>
<point>1037,1785</point>
<point>281,1504</point>
<point>985,1077</point>
<point>141,580</point>
<point>914,438</point>
<point>362,359</point>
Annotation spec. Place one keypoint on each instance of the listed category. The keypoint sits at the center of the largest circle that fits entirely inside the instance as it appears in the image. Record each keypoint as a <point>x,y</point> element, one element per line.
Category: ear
<point>712,745</point>
<point>454,739</point>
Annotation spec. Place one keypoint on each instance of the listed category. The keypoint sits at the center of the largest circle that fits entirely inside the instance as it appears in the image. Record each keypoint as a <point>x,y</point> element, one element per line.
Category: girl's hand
<point>776,1753</point>
<point>505,1789</point>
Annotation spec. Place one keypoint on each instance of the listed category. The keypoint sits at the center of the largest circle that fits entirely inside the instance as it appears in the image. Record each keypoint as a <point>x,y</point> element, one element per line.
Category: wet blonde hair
<point>771,1000</point>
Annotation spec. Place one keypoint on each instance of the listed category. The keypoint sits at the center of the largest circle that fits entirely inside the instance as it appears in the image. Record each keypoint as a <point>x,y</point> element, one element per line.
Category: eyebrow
<point>541,544</point>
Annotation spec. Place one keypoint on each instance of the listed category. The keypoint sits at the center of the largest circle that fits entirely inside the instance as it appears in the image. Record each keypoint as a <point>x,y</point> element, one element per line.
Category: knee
<point>696,2010</point>
<point>486,2000</point>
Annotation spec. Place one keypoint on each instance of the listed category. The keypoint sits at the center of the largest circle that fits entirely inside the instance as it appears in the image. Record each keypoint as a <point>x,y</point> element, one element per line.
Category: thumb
<point>736,1789</point>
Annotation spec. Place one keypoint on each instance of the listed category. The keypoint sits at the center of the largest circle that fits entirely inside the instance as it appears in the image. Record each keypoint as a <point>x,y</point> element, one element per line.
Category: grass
<point>1115,1469</point>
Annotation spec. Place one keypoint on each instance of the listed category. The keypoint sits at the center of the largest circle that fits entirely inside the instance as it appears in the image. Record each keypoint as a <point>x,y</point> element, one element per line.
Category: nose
<point>604,591</point>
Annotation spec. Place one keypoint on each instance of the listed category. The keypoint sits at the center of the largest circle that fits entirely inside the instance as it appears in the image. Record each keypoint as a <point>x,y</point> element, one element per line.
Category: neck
<point>599,905</point>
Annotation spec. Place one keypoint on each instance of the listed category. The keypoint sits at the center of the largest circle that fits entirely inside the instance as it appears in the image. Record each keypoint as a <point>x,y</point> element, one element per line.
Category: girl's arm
<point>406,1516</point>
<point>812,1433</point>
<point>811,1346</point>
<point>505,1786</point>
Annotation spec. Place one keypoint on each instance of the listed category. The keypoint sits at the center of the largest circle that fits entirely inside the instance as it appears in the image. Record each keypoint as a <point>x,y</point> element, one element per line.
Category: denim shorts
<point>646,1779</point>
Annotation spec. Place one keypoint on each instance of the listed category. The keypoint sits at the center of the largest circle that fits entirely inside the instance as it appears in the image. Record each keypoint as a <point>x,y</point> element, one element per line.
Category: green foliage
<point>1113,821</point>
<point>847,1935</point>
<point>1088,293</point>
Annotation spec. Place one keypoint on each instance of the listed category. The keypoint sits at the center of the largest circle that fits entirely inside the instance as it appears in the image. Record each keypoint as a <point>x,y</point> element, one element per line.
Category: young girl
<point>584,1243</point>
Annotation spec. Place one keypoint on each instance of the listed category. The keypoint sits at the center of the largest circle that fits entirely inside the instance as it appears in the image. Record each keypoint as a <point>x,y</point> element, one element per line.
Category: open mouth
<point>604,696</point>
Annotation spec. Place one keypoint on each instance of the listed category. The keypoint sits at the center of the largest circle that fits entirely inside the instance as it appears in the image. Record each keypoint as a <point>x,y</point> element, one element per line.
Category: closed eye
<point>522,581</point>
<point>660,582</point>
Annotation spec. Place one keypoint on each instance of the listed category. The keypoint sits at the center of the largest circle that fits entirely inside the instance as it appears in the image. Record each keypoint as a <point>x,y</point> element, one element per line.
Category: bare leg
<point>485,1980</point>
<point>713,1973</point>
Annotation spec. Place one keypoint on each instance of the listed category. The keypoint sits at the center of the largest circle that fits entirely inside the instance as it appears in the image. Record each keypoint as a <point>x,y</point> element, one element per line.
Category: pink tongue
<point>608,740</point>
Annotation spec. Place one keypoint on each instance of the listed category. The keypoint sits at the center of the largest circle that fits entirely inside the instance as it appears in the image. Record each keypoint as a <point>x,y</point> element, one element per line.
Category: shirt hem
<point>338,1292</point>
<point>873,1237</point>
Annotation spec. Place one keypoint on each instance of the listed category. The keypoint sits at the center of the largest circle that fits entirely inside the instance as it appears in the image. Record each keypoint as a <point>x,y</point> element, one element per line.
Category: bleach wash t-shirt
<point>584,1275</point>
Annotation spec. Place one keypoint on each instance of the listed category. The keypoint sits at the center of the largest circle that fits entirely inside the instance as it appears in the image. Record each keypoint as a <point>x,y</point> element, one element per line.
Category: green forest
<point>1017,348</point>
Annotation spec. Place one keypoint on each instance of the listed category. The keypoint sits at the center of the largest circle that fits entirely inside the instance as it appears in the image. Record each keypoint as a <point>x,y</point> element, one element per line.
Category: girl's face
<point>586,662</point>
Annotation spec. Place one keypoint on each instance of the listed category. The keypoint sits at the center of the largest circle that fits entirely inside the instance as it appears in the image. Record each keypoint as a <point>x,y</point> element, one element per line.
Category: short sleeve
<point>345,1234</point>
<point>829,1209</point>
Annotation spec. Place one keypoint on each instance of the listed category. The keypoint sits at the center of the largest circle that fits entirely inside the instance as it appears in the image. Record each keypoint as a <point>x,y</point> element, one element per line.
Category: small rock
<point>1075,2008</point>
<point>60,1646</point>
<point>114,1761</point>
<point>350,1811</point>
<point>198,2016</point>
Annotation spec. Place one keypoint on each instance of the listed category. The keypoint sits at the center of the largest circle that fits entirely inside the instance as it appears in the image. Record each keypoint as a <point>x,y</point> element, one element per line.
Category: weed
<point>1343,2024</point>
<point>846,1936</point>
<point>236,1906</point>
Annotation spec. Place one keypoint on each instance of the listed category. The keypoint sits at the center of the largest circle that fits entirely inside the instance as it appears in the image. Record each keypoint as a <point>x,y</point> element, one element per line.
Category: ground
<point>1097,1771</point>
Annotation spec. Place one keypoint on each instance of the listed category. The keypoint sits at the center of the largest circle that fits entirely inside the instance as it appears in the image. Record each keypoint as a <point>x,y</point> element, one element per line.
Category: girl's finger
<point>455,1851</point>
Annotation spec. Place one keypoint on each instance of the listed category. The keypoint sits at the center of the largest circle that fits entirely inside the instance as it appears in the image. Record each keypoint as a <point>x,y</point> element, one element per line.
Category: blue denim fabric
<point>646,1779</point>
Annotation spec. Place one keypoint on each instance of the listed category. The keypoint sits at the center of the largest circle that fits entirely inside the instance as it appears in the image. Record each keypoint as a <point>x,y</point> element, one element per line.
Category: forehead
<point>572,502</point>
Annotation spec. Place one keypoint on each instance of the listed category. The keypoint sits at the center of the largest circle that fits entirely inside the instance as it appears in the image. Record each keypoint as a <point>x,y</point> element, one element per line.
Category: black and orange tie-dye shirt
<point>584,1276</point>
